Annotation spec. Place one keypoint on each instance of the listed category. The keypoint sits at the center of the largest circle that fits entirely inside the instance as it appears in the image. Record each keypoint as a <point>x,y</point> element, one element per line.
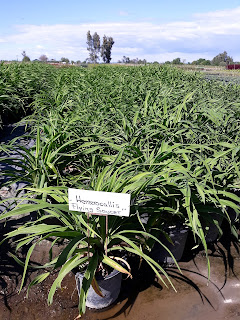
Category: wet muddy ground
<point>140,298</point>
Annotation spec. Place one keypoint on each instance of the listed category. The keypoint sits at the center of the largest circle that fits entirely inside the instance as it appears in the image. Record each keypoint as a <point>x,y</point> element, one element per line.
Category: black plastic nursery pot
<point>110,287</point>
<point>178,235</point>
<point>212,230</point>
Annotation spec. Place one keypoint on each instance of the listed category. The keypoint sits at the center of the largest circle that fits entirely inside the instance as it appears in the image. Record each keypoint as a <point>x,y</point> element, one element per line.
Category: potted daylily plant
<point>163,216</point>
<point>93,250</point>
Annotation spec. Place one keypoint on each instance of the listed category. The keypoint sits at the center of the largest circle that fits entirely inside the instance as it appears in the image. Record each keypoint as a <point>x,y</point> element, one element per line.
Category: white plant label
<point>99,202</point>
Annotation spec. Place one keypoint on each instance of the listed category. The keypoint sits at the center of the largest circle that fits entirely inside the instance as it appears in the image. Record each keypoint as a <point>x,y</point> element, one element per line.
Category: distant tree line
<point>132,61</point>
<point>222,59</point>
<point>44,58</point>
<point>97,49</point>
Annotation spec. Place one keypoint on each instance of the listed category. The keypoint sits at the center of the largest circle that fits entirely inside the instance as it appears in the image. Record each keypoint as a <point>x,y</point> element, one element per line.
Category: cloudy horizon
<point>191,36</point>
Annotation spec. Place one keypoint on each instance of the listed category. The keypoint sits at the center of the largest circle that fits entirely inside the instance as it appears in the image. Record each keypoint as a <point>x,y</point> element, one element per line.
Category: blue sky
<point>155,30</point>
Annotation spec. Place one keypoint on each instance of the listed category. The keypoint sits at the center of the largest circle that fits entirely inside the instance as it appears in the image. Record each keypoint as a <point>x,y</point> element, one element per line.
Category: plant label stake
<point>88,233</point>
<point>106,240</point>
<point>99,203</point>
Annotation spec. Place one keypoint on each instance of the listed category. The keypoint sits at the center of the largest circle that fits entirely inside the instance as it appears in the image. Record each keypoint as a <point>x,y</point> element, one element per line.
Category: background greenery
<point>166,136</point>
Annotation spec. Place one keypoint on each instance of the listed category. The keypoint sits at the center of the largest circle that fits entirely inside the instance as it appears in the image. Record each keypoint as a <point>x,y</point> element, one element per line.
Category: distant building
<point>233,66</point>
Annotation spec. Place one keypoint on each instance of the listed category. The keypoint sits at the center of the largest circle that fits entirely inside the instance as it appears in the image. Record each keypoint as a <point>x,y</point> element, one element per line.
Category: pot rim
<point>109,276</point>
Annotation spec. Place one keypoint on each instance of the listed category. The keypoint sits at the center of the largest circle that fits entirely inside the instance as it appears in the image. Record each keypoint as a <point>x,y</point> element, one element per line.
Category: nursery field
<point>224,77</point>
<point>168,137</point>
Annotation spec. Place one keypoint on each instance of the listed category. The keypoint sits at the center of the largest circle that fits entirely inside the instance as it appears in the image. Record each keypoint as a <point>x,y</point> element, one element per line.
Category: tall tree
<point>125,59</point>
<point>93,46</point>
<point>65,60</point>
<point>25,57</point>
<point>43,58</point>
<point>222,59</point>
<point>176,61</point>
<point>106,49</point>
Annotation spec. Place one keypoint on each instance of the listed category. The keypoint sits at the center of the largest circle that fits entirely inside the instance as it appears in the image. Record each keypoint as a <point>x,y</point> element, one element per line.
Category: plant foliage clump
<point>167,137</point>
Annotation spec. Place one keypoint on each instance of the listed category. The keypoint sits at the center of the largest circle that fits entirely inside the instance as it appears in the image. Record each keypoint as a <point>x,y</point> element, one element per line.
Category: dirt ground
<point>140,298</point>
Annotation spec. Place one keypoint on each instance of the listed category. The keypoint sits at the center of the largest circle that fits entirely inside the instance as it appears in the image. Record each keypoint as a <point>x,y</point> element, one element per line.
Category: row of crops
<point>225,78</point>
<point>166,136</point>
<point>18,85</point>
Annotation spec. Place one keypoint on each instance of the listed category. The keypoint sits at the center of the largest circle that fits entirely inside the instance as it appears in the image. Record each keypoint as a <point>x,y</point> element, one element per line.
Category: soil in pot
<point>109,285</point>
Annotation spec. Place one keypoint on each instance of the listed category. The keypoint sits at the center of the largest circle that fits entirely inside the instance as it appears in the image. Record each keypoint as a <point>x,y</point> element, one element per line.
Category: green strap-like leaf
<point>113,264</point>
<point>64,256</point>
<point>40,278</point>
<point>86,282</point>
<point>26,264</point>
<point>66,268</point>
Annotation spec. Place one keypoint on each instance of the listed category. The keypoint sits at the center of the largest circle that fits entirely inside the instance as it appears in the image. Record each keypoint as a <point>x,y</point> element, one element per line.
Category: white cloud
<point>220,22</point>
<point>220,14</point>
<point>203,37</point>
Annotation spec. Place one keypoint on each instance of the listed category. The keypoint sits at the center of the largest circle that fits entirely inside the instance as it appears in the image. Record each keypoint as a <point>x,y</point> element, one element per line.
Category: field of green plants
<point>166,136</point>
